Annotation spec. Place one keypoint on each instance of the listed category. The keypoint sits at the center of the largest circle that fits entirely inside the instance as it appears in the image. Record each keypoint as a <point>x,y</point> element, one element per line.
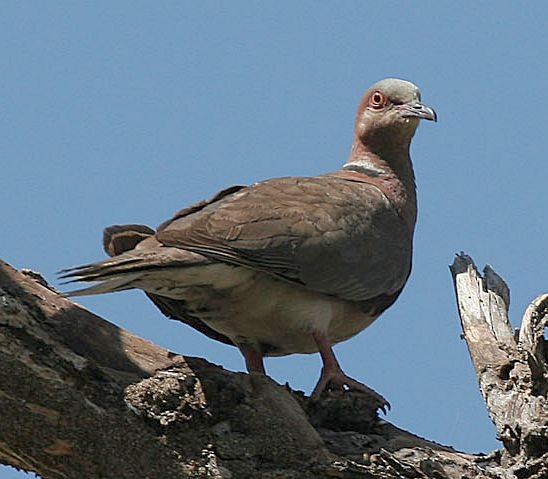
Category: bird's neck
<point>392,172</point>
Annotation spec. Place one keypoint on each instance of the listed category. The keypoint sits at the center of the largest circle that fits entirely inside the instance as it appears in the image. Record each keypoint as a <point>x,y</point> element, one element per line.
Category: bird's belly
<point>253,308</point>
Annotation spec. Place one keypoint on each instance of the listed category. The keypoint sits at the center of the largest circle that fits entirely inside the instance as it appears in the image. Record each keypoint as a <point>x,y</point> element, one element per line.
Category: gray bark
<point>82,398</point>
<point>512,367</point>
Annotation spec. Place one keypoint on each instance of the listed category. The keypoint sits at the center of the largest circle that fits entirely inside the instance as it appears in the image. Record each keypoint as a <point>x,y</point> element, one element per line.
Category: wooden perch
<point>82,398</point>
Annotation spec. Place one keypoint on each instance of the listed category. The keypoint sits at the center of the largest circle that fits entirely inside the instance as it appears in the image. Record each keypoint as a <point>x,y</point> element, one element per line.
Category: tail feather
<point>113,274</point>
<point>100,270</point>
<point>108,286</point>
<point>122,272</point>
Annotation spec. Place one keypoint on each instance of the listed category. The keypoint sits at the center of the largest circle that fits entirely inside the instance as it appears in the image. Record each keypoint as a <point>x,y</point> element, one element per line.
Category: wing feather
<point>328,234</point>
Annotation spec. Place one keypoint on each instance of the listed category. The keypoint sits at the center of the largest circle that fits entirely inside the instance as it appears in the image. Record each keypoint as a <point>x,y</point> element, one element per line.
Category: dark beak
<point>417,110</point>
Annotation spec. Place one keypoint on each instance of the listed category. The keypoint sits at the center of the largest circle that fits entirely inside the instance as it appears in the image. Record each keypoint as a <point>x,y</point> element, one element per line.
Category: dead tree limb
<point>512,368</point>
<point>82,398</point>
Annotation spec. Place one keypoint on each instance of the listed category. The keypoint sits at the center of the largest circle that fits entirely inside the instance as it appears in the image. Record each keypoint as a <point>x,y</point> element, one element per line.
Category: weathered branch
<point>82,398</point>
<point>512,369</point>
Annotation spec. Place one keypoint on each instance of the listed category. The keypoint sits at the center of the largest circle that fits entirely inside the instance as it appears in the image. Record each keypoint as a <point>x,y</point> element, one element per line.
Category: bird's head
<point>389,114</point>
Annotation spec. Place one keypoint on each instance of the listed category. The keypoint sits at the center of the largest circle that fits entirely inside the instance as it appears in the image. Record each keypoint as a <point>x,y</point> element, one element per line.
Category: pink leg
<point>253,359</point>
<point>332,374</point>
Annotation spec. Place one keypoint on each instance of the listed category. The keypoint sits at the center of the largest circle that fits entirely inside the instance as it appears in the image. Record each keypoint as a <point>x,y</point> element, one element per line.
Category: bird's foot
<point>337,379</point>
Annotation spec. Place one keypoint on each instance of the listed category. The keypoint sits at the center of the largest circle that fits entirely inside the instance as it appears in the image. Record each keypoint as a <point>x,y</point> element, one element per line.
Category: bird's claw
<point>339,380</point>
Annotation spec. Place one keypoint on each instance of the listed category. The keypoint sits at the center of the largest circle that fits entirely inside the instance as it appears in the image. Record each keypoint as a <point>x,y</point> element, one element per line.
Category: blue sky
<point>119,112</point>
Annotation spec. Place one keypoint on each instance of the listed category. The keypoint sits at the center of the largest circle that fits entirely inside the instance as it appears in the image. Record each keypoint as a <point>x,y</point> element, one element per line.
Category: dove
<point>287,265</point>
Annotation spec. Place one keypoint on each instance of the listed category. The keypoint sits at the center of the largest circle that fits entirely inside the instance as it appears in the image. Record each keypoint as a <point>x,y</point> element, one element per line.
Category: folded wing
<point>328,234</point>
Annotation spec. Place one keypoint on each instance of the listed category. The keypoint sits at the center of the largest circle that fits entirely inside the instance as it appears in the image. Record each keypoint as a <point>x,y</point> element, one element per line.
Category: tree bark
<point>82,398</point>
<point>512,368</point>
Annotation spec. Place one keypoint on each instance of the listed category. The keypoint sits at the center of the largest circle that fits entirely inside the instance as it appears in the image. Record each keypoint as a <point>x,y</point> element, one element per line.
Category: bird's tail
<point>143,267</point>
<point>137,260</point>
<point>118,239</point>
<point>114,274</point>
<point>108,286</point>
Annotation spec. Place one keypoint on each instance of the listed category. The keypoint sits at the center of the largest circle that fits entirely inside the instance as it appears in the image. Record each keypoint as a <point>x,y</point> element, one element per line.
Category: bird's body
<point>265,313</point>
<point>289,265</point>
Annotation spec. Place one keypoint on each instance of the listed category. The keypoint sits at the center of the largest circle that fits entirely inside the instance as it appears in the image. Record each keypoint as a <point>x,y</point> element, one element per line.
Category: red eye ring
<point>377,101</point>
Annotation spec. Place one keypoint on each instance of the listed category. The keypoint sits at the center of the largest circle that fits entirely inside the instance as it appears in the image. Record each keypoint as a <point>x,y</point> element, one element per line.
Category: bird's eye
<point>377,101</point>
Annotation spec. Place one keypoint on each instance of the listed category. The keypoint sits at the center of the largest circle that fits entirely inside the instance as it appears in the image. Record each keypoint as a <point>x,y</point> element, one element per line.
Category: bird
<point>286,265</point>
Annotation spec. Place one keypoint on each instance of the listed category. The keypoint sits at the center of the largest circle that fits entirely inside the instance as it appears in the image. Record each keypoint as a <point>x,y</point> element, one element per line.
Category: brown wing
<point>326,233</point>
<point>202,204</point>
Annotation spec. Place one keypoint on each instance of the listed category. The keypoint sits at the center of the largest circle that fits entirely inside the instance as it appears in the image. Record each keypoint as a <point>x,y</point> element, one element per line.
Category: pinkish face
<point>392,104</point>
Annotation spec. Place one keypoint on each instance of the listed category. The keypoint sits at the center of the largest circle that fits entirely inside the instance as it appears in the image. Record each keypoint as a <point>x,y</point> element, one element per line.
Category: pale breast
<point>251,307</point>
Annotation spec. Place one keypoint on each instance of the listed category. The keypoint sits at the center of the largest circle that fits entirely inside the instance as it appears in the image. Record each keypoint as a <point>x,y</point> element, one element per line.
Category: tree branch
<point>512,369</point>
<point>83,398</point>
